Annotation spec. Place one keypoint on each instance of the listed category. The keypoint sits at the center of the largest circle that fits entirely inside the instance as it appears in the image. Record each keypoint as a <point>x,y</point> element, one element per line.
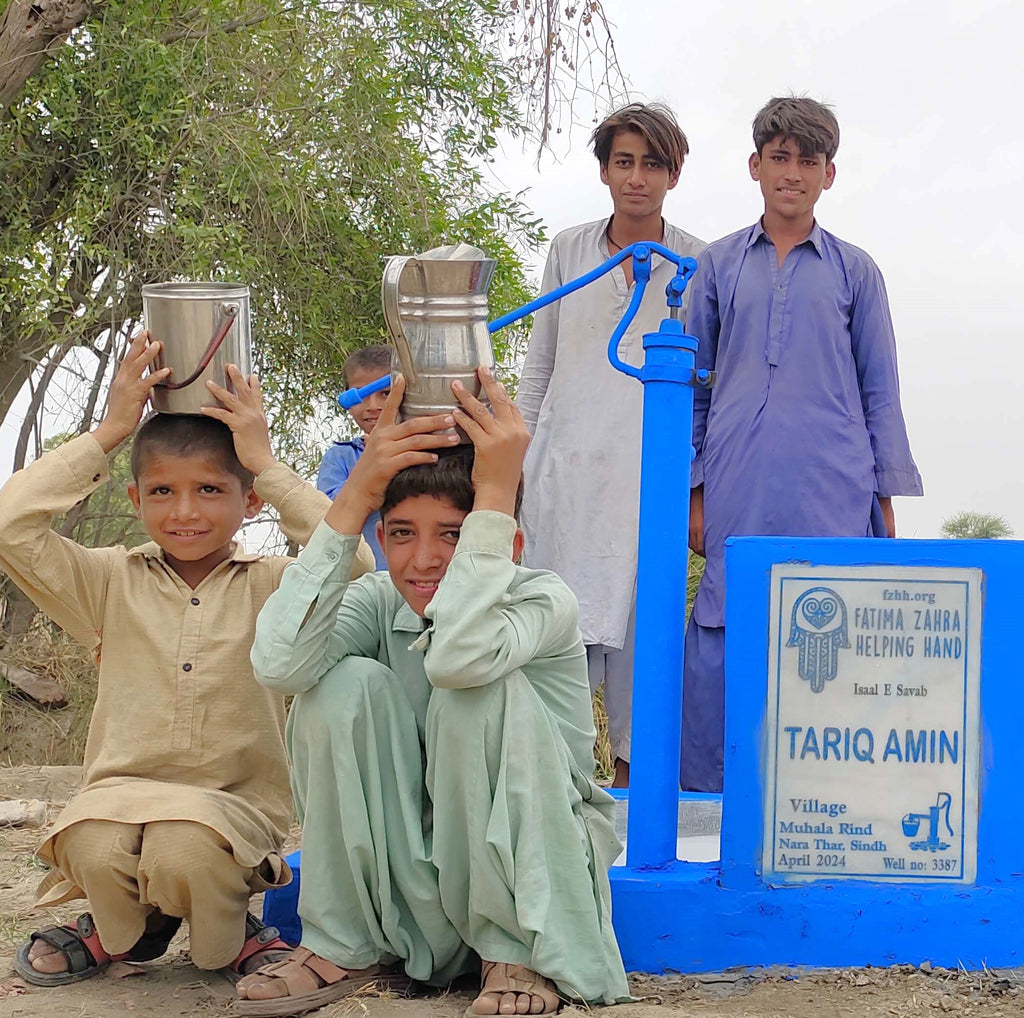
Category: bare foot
<point>47,958</point>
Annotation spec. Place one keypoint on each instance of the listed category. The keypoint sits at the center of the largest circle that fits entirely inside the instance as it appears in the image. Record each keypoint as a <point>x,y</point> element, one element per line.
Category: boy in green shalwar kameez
<point>441,739</point>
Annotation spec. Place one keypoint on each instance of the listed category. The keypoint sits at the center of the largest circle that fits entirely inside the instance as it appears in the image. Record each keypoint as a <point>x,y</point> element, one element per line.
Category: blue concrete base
<point>693,917</point>
<point>682,920</point>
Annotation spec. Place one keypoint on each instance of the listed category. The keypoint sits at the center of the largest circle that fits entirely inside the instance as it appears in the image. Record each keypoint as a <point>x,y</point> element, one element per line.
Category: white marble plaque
<point>873,724</point>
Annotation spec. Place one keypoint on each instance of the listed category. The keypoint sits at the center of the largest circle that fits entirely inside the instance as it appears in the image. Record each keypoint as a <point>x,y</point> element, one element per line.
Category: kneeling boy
<point>185,803</point>
<point>441,740</point>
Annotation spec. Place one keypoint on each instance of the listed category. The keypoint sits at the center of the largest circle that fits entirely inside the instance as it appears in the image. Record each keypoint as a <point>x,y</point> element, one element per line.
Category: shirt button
<point>332,556</point>
<point>96,478</point>
<point>186,667</point>
<point>194,600</point>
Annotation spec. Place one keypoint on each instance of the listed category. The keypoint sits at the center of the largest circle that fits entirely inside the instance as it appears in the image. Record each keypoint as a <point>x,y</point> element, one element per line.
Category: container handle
<point>389,295</point>
<point>229,312</point>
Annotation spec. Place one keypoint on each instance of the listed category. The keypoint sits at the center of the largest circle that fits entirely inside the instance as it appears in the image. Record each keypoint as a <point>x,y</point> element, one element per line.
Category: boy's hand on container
<point>390,447</point>
<point>242,412</point>
<point>129,391</point>
<point>500,437</point>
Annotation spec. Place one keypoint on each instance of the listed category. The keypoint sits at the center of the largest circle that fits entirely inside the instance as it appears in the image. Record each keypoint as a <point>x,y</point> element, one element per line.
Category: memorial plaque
<point>873,724</point>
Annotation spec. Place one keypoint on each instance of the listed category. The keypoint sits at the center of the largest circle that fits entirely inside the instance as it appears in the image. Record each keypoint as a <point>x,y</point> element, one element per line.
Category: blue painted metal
<point>641,277</point>
<point>352,397</point>
<point>667,377</point>
<point>694,917</point>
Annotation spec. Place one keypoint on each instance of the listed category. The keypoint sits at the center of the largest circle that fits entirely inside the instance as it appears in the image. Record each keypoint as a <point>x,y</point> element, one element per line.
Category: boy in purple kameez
<point>803,433</point>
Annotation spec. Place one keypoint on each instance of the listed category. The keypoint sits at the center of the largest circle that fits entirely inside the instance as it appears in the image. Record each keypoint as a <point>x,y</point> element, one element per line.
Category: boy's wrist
<point>257,464</point>
<point>109,435</point>
<point>349,512</point>
<point>495,498</point>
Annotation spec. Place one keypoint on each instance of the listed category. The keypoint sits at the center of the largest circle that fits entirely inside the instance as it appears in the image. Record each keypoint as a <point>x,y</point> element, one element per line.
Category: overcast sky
<point>929,182</point>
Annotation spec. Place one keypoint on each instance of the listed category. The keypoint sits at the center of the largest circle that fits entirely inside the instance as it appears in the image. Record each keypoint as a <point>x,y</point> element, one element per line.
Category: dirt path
<point>172,987</point>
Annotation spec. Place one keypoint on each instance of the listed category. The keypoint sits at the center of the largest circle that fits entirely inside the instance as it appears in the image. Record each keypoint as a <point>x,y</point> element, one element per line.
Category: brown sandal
<point>311,982</point>
<point>498,978</point>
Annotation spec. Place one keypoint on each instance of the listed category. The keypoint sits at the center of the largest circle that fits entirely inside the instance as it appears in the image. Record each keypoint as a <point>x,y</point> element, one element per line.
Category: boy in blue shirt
<point>803,433</point>
<point>361,368</point>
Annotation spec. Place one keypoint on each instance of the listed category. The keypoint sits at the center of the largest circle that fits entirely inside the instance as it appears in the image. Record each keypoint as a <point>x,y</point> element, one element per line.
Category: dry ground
<point>172,987</point>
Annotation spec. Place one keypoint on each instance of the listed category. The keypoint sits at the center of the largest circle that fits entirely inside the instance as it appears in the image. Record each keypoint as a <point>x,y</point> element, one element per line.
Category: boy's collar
<point>152,550</point>
<point>406,620</point>
<point>359,440</point>
<point>813,238</point>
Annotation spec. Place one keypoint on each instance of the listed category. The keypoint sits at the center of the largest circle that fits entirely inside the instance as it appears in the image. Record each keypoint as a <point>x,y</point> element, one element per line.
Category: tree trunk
<point>29,30</point>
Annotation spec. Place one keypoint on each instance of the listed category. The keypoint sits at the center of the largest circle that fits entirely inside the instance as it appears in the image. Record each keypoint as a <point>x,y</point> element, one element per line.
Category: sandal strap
<point>326,970</point>
<point>304,972</point>
<point>501,977</point>
<point>258,938</point>
<point>80,943</point>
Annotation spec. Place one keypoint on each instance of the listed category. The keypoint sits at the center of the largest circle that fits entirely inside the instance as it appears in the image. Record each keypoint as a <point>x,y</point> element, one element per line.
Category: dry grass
<point>605,770</point>
<point>30,734</point>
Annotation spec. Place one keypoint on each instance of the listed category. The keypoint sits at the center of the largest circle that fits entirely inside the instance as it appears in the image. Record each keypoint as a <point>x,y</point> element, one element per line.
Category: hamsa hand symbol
<point>818,628</point>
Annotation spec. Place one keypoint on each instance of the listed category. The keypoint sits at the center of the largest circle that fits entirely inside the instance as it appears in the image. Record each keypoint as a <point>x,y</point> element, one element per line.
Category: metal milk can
<point>435,308</point>
<point>203,328</point>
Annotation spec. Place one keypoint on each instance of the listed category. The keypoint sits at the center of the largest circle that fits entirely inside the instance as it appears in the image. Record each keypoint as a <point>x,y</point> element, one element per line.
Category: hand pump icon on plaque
<point>912,825</point>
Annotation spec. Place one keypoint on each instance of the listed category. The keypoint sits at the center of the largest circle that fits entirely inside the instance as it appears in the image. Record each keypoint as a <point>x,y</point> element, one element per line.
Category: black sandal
<point>80,945</point>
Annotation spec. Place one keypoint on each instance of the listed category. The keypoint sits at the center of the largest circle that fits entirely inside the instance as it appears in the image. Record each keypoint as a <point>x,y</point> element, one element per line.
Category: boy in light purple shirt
<point>361,368</point>
<point>803,433</point>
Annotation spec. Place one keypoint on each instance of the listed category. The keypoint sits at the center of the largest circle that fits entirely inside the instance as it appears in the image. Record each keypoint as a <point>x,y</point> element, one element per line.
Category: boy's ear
<point>604,173</point>
<point>253,504</point>
<point>380,533</point>
<point>830,175</point>
<point>673,179</point>
<point>754,162</point>
<point>133,494</point>
<point>517,545</point>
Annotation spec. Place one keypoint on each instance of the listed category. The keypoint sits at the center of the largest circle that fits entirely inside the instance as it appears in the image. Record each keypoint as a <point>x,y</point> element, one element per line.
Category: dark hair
<point>655,123</point>
<point>187,435</point>
<point>811,124</point>
<point>367,358</point>
<point>451,478</point>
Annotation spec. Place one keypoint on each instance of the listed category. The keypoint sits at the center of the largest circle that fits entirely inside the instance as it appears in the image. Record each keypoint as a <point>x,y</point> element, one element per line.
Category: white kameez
<point>582,491</point>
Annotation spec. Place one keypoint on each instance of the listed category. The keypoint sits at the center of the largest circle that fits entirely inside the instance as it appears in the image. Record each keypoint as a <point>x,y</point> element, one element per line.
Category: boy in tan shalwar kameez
<point>185,803</point>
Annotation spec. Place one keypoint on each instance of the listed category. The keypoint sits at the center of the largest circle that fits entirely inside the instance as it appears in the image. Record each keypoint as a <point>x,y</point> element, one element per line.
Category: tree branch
<point>29,30</point>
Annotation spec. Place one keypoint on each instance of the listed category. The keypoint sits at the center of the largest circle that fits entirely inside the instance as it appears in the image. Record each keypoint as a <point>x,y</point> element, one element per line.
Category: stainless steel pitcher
<point>203,328</point>
<point>435,309</point>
